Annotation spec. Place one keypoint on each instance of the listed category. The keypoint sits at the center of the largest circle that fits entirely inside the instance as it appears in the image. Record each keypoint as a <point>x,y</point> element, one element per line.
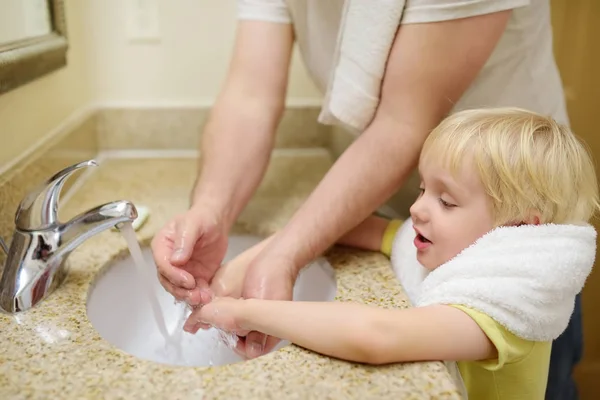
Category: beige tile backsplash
<point>167,128</point>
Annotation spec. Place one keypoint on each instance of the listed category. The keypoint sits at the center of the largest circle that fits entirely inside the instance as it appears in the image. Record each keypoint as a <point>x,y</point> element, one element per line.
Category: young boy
<point>502,245</point>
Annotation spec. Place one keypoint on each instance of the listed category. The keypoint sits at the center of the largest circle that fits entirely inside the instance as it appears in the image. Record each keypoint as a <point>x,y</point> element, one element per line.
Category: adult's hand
<point>190,248</point>
<point>230,277</point>
<point>187,251</point>
<point>268,278</point>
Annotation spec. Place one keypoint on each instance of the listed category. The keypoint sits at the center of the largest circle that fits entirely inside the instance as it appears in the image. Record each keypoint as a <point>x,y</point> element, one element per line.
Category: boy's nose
<point>418,211</point>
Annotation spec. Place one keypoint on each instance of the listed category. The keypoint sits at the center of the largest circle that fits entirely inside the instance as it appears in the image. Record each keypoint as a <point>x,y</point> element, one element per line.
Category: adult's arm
<point>239,135</point>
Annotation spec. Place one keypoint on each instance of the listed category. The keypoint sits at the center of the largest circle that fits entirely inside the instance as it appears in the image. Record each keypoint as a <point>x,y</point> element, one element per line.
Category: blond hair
<point>525,161</point>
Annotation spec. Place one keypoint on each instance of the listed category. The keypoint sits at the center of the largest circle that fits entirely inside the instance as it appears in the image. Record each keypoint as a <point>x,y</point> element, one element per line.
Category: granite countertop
<point>52,351</point>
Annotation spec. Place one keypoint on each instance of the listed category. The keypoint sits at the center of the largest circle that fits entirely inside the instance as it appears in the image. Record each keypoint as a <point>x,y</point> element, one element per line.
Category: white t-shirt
<point>521,71</point>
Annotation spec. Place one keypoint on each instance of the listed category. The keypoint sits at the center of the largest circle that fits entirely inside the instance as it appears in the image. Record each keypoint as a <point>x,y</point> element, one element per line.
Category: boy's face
<point>450,214</point>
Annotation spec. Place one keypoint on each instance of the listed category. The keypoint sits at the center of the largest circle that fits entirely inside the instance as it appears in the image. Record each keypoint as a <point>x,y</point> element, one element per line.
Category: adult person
<point>447,55</point>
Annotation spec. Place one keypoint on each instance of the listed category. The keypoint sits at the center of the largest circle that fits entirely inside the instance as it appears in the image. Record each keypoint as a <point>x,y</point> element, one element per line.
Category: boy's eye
<point>446,204</point>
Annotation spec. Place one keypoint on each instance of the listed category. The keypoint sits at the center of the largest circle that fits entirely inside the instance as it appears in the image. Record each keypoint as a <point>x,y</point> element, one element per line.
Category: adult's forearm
<point>235,152</point>
<point>363,178</point>
<point>238,138</point>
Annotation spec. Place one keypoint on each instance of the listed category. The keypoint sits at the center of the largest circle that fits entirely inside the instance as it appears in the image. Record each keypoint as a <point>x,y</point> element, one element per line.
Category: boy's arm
<point>357,332</point>
<point>374,234</point>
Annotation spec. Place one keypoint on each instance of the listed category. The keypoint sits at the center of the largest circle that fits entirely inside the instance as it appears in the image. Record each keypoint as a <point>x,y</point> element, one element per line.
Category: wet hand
<point>225,313</point>
<point>188,251</point>
<point>269,278</point>
<point>230,277</point>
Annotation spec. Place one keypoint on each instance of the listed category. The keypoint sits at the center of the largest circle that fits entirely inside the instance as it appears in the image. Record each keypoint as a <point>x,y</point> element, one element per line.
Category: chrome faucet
<point>36,262</point>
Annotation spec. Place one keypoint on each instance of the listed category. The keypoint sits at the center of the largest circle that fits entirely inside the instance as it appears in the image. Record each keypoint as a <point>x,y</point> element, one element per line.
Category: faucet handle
<point>39,208</point>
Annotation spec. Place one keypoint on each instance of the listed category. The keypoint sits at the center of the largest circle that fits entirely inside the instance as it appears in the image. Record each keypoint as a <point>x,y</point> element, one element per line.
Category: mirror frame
<point>26,60</point>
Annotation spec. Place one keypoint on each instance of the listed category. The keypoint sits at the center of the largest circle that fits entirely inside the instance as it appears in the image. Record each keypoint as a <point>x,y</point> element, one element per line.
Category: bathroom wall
<point>184,66</point>
<point>30,112</point>
<point>107,67</point>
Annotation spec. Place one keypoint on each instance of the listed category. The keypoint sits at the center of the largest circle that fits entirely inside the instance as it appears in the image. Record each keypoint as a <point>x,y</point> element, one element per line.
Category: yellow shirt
<point>520,372</point>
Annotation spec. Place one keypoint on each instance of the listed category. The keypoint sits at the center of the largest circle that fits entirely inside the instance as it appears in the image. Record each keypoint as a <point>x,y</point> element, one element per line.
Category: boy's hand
<point>248,276</point>
<point>237,278</point>
<point>225,313</point>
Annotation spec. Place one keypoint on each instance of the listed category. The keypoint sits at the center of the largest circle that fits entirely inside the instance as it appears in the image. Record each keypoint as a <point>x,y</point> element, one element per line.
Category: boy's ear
<point>532,219</point>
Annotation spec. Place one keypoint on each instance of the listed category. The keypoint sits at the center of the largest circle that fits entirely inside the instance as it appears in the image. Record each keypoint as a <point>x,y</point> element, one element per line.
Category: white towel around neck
<point>366,34</point>
<point>525,278</point>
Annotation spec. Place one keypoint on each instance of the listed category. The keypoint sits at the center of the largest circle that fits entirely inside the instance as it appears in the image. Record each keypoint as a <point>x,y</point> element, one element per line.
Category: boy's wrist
<point>246,313</point>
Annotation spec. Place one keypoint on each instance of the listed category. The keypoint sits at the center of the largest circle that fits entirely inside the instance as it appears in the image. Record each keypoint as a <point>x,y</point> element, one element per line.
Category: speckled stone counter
<point>53,352</point>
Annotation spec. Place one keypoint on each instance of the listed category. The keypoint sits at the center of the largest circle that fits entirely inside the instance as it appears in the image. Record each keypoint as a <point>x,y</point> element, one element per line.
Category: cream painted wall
<point>187,65</point>
<point>30,112</point>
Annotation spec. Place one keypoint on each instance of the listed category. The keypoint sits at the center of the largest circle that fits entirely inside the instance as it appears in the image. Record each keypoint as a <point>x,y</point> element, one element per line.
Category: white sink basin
<point>119,310</point>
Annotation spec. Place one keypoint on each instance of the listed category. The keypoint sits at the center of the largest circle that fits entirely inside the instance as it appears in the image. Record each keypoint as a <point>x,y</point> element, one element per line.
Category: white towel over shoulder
<point>367,32</point>
<point>525,278</point>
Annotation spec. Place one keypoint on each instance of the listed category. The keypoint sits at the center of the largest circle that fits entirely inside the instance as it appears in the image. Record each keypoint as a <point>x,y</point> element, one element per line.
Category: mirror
<point>23,19</point>
<point>33,40</point>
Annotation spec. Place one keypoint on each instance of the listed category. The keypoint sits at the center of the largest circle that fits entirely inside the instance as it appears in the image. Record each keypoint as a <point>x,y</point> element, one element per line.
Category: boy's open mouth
<point>422,238</point>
